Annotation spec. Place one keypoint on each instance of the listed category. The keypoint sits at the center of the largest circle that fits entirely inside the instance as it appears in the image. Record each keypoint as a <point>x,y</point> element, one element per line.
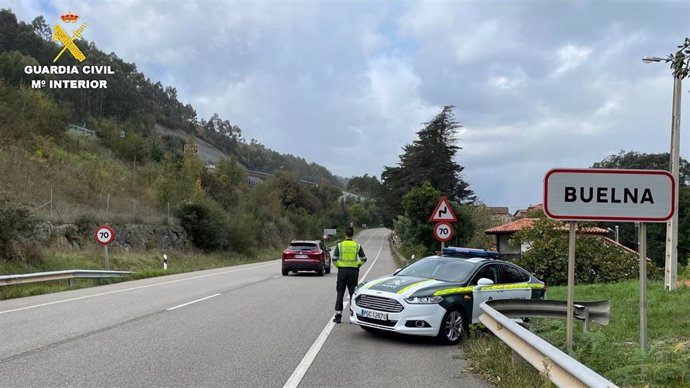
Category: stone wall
<point>127,237</point>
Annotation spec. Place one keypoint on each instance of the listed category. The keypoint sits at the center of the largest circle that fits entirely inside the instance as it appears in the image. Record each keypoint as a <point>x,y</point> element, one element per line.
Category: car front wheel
<point>452,328</point>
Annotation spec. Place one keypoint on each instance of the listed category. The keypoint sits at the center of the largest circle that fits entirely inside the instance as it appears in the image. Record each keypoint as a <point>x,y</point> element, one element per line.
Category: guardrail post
<point>517,360</point>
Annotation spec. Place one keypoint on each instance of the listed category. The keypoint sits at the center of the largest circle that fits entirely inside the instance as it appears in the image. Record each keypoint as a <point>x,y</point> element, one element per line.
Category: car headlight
<point>424,299</point>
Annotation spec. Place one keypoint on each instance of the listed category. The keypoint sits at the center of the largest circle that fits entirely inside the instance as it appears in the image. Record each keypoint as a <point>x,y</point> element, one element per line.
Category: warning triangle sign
<point>443,212</point>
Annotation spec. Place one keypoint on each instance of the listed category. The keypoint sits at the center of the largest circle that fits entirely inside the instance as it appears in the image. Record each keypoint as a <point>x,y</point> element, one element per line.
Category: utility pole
<point>671,262</point>
<point>679,63</point>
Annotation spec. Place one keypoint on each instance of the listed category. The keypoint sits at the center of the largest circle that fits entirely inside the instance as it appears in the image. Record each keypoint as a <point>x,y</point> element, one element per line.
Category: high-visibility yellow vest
<point>348,250</point>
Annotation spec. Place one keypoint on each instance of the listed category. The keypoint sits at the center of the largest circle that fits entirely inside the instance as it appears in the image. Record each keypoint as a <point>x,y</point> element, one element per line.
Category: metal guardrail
<point>597,311</point>
<point>6,280</point>
<point>562,369</point>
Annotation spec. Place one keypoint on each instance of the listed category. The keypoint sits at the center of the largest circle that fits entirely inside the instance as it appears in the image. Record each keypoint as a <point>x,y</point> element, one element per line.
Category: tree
<point>656,233</point>
<point>414,227</point>
<point>41,28</point>
<point>365,185</point>
<point>12,64</point>
<point>429,158</point>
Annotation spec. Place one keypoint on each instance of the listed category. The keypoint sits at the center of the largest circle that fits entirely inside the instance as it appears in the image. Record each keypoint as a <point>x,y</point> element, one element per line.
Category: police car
<point>439,296</point>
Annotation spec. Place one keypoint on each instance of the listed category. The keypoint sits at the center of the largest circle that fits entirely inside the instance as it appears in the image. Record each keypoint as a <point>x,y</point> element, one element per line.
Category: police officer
<point>348,257</point>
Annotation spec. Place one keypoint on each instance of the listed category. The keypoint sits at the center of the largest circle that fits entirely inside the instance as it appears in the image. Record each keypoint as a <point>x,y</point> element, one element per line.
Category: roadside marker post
<point>609,195</point>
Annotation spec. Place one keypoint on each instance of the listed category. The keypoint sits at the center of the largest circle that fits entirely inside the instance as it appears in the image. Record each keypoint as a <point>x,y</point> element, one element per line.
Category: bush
<point>15,219</point>
<point>595,260</point>
<point>204,224</point>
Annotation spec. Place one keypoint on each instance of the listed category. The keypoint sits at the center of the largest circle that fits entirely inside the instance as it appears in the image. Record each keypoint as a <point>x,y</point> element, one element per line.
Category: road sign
<point>443,212</point>
<point>104,235</point>
<point>443,231</point>
<point>191,148</point>
<point>609,195</point>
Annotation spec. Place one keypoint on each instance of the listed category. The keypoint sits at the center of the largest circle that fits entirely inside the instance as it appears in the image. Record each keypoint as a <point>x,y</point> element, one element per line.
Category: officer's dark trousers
<point>347,277</point>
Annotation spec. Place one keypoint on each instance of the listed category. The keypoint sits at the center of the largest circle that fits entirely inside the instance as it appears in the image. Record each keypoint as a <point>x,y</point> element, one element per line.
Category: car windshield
<point>302,246</point>
<point>446,269</point>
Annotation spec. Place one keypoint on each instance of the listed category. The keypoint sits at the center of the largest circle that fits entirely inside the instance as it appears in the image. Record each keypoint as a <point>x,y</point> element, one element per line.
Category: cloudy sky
<point>537,84</point>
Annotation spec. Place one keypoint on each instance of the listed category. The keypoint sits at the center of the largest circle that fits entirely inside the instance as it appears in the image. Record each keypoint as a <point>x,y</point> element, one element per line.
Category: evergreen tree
<point>429,158</point>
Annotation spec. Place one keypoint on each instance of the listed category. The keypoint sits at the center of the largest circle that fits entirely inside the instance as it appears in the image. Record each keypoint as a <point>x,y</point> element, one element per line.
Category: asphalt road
<point>244,326</point>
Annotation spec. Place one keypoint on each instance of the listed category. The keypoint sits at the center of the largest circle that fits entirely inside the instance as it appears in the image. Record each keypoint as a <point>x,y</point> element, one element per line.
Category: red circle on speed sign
<point>443,231</point>
<point>104,235</point>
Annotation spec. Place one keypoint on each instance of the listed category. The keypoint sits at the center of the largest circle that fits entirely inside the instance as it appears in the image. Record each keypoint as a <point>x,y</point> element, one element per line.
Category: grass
<point>144,264</point>
<point>81,173</point>
<point>612,351</point>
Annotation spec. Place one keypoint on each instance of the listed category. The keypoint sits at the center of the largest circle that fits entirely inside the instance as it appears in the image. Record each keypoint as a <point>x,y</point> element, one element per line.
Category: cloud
<point>508,81</point>
<point>346,84</point>
<point>570,57</point>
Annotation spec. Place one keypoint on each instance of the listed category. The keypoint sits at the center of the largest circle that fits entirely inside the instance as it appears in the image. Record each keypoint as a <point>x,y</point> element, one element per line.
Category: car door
<point>514,282</point>
<point>481,294</point>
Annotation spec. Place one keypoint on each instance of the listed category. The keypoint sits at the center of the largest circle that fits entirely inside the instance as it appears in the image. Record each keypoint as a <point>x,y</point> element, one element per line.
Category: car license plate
<point>374,315</point>
<point>301,256</point>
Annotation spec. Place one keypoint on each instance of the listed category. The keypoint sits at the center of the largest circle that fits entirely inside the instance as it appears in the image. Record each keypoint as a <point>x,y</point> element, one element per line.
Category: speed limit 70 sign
<point>104,235</point>
<point>443,231</point>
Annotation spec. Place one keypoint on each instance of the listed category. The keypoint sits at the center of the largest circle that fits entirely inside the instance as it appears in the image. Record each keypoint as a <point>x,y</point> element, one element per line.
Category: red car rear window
<point>301,247</point>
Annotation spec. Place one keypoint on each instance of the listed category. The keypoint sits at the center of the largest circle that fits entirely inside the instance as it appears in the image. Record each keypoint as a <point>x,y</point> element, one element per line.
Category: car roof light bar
<point>470,252</point>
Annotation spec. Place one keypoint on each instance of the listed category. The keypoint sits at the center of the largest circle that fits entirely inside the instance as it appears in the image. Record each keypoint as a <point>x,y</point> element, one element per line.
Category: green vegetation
<point>547,258</point>
<point>656,232</point>
<point>612,351</point>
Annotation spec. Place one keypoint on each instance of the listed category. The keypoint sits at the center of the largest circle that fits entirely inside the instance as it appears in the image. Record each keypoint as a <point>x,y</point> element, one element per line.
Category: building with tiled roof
<point>505,232</point>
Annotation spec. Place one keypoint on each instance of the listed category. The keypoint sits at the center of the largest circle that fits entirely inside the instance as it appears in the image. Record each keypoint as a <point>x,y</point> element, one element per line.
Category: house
<point>505,232</point>
<point>520,213</point>
<point>499,214</point>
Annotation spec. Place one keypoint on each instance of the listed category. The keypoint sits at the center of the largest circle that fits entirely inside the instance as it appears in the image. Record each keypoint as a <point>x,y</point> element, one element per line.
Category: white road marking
<point>135,288</point>
<point>277,276</point>
<point>315,348</point>
<point>194,301</point>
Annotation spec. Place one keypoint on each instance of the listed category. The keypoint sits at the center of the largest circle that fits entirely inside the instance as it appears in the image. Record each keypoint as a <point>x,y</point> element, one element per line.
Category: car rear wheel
<point>285,272</point>
<point>452,328</point>
<point>328,268</point>
<point>320,271</point>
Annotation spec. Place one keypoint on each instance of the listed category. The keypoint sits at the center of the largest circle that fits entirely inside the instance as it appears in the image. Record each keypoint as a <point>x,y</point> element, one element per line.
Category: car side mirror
<point>396,271</point>
<point>484,282</point>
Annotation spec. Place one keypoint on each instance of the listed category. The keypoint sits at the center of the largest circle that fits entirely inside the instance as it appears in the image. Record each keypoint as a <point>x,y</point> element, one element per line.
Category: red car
<point>307,255</point>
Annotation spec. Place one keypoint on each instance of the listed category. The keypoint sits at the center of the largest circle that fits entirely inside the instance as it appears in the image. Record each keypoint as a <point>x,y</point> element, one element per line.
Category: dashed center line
<point>194,301</point>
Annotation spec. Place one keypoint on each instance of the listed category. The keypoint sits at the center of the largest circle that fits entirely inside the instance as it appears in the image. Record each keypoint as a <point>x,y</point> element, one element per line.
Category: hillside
<point>132,169</point>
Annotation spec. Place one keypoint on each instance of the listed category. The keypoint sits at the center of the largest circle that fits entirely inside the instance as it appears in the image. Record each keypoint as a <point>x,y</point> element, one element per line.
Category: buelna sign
<point>609,195</point>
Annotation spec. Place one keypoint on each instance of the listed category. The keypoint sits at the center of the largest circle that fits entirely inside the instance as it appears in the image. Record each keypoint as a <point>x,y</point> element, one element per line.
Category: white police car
<point>440,295</point>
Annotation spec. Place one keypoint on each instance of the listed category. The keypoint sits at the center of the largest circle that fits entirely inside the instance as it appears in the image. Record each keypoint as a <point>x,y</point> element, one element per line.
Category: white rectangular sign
<point>329,232</point>
<point>609,195</point>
